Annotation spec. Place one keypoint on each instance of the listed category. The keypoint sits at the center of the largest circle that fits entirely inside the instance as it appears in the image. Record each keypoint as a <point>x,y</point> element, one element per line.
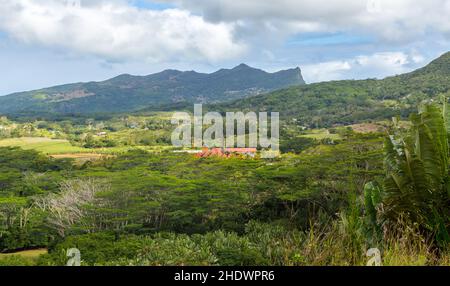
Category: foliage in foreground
<point>262,244</point>
<point>416,186</point>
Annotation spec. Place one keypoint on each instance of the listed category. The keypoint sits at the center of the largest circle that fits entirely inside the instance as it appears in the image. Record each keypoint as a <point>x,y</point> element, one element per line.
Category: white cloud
<point>395,62</point>
<point>393,21</point>
<point>361,67</point>
<point>209,34</point>
<point>325,71</point>
<point>117,31</point>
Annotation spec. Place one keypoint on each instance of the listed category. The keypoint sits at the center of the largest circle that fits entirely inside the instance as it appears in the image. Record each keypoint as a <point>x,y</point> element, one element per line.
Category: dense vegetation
<point>325,205</point>
<point>140,193</point>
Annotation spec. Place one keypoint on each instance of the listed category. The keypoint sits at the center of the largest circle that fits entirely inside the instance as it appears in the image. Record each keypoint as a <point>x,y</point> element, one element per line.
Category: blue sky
<point>151,5</point>
<point>338,38</point>
<point>50,42</point>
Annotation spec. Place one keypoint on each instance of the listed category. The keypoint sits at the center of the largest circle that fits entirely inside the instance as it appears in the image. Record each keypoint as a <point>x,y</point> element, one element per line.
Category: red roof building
<point>226,152</point>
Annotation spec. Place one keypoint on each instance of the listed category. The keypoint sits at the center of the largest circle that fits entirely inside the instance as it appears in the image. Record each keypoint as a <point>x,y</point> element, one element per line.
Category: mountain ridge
<point>128,92</point>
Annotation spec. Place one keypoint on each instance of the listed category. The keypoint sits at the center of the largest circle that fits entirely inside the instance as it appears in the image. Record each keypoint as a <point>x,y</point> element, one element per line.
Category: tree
<point>68,207</point>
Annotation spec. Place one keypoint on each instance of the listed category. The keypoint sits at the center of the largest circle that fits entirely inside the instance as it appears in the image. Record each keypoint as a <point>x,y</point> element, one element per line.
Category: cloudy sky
<point>50,42</point>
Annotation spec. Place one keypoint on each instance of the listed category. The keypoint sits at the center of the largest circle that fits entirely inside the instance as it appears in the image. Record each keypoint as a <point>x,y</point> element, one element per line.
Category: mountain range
<point>245,89</point>
<point>127,93</point>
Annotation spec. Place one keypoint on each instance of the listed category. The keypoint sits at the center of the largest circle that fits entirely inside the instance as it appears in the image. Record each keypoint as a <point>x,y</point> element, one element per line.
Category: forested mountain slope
<point>346,102</point>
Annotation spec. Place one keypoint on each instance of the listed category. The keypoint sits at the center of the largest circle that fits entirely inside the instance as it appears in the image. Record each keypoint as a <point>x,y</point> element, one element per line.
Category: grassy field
<point>63,148</point>
<point>320,134</point>
<point>22,258</point>
<point>44,145</point>
<point>35,253</point>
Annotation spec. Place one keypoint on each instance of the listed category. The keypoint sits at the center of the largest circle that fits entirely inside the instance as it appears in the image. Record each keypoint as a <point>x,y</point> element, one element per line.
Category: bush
<point>16,260</point>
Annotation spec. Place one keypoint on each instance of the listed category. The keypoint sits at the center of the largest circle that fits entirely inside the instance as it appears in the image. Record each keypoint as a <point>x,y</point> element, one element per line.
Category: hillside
<point>346,102</point>
<point>127,93</point>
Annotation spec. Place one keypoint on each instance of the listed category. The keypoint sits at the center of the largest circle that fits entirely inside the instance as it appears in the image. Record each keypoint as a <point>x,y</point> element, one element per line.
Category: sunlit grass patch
<point>320,134</point>
<point>44,145</point>
<point>22,258</point>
